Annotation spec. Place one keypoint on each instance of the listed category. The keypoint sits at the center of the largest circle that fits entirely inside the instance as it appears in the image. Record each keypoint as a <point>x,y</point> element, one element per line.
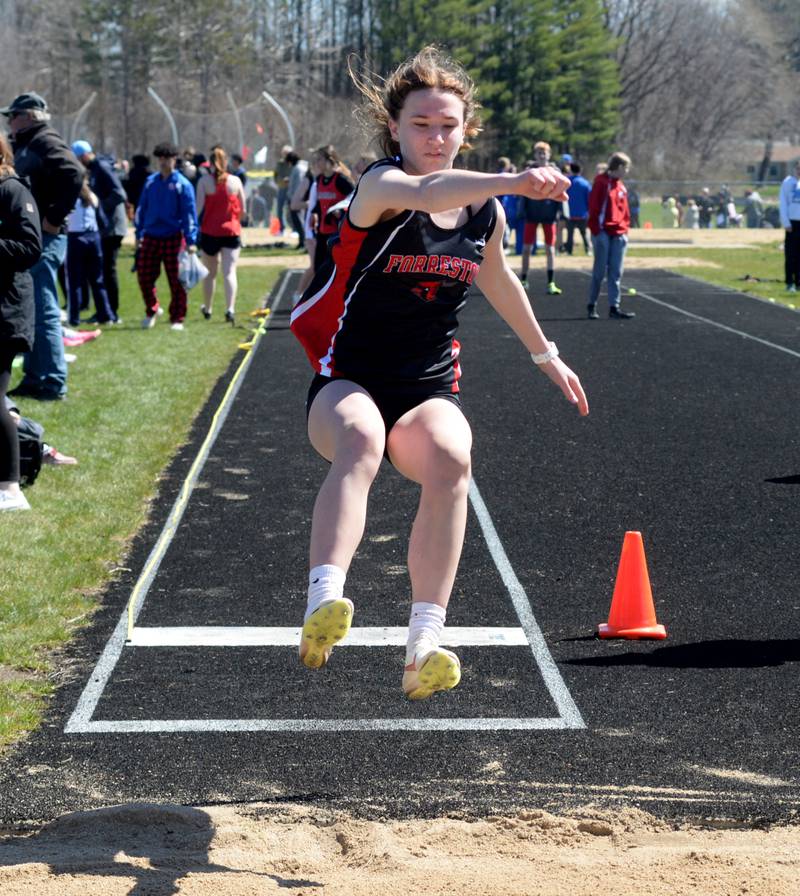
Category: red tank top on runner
<point>221,212</point>
<point>385,307</point>
<point>330,191</point>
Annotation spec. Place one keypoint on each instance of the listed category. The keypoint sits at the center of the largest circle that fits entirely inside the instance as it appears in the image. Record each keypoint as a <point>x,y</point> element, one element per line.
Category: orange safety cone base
<point>646,632</point>
<point>633,614</point>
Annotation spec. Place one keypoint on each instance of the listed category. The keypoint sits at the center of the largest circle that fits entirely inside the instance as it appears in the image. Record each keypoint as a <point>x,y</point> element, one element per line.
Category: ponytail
<point>219,164</point>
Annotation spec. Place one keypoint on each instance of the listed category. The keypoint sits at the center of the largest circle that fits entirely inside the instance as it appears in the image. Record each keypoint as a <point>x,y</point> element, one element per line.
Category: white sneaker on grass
<point>177,326</point>
<point>148,322</point>
<point>17,501</point>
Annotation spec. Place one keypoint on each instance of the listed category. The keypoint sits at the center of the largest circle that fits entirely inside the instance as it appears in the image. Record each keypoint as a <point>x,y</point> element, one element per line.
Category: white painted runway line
<point>718,325</point>
<point>254,636</point>
<point>81,721</point>
<point>317,726</point>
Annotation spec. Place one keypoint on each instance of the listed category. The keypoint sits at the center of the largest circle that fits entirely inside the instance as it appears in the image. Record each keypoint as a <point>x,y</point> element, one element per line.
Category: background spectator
<point>220,206</point>
<point>578,193</point>
<point>55,177</point>
<point>283,171</point>
<point>134,184</point>
<point>20,248</point>
<point>85,260</point>
<point>165,218</point>
<point>691,217</point>
<point>104,182</point>
<point>706,205</point>
<point>753,208</point>
<point>609,222</point>
<point>296,178</point>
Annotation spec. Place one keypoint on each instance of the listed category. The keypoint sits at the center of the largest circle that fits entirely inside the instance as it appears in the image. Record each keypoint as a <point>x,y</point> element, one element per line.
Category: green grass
<point>133,394</point>
<point>757,271</point>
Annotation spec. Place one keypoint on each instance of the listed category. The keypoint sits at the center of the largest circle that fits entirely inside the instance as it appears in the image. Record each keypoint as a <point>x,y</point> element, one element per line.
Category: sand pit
<point>258,849</point>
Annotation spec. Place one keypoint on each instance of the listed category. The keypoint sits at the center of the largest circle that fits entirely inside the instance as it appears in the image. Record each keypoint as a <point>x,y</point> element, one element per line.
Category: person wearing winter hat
<point>55,177</point>
<point>104,182</point>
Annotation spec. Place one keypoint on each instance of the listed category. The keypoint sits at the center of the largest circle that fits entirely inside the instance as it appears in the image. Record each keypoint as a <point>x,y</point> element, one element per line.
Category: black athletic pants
<point>791,250</point>
<point>9,439</point>
<point>111,246</point>
<point>578,224</point>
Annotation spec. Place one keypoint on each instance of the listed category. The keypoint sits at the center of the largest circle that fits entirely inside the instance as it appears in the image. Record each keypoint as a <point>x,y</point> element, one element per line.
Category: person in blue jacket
<point>166,221</point>
<point>578,193</point>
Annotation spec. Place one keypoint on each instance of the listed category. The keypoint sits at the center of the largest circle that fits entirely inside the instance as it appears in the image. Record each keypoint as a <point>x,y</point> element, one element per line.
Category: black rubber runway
<point>692,439</point>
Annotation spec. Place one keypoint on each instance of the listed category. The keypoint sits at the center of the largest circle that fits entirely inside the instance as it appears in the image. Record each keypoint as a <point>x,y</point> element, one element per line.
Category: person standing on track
<point>541,213</point>
<point>378,325</point>
<point>609,222</point>
<point>789,200</point>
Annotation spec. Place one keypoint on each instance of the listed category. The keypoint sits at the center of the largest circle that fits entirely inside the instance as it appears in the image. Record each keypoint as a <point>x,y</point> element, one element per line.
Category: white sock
<point>324,582</point>
<point>425,626</point>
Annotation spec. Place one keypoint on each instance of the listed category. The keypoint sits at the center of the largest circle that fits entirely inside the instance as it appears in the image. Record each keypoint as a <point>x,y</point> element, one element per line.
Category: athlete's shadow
<point>735,653</point>
<point>154,845</point>
<point>785,480</point>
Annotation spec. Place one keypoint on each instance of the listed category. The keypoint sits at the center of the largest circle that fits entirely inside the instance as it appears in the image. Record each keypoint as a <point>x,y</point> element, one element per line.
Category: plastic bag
<point>190,269</point>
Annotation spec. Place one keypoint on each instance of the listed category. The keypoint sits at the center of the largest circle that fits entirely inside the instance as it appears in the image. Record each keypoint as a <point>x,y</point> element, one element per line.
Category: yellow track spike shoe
<point>326,626</point>
<point>438,670</point>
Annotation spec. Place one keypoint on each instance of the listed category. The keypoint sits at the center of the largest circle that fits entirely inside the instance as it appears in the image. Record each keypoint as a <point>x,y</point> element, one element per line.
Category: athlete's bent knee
<point>449,469</point>
<point>360,446</point>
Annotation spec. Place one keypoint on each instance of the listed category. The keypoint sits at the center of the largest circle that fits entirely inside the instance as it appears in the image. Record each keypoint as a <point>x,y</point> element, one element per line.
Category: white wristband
<point>544,357</point>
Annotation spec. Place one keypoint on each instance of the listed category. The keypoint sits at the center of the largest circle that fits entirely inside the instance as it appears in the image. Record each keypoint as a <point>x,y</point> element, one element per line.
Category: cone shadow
<point>736,653</point>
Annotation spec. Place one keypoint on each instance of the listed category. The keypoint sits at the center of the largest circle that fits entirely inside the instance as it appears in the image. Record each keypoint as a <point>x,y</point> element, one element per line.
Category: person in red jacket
<point>609,222</point>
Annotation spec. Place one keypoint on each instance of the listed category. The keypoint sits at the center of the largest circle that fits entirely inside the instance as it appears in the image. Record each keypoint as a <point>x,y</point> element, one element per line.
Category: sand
<point>259,849</point>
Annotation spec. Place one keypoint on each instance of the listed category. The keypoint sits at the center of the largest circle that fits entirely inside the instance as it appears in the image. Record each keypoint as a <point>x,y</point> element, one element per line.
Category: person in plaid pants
<point>166,219</point>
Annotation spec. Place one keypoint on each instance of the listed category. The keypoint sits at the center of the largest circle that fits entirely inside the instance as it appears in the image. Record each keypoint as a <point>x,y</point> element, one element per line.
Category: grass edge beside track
<point>125,421</point>
<point>756,271</point>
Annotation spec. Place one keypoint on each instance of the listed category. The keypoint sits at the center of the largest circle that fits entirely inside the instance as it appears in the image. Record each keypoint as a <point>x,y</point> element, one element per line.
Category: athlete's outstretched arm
<point>506,295</point>
<point>388,188</point>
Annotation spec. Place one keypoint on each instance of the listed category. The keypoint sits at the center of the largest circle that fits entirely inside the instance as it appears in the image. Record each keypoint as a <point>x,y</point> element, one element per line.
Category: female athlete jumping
<point>378,324</point>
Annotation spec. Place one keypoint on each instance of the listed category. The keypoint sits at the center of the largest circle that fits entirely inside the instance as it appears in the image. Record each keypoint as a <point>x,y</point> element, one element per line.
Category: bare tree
<point>694,76</point>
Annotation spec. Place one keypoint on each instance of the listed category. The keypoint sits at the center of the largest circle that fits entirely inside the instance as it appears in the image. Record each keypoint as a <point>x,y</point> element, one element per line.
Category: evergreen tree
<point>544,68</point>
<point>586,115</point>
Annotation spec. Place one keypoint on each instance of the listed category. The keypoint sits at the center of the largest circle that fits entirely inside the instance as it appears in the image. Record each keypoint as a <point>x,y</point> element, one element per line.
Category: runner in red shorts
<point>541,213</point>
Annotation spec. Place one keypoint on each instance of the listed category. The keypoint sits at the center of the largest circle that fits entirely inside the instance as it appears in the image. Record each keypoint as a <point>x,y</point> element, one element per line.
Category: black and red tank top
<point>330,191</point>
<point>385,307</point>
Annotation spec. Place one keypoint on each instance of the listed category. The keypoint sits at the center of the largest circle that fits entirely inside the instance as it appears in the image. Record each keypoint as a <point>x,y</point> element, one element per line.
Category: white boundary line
<point>87,703</point>
<point>366,636</point>
<point>714,323</point>
<point>313,726</point>
<point>81,722</point>
<point>566,706</point>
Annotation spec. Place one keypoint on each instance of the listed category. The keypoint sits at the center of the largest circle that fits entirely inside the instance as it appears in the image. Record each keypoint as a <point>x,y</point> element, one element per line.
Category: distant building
<point>782,159</point>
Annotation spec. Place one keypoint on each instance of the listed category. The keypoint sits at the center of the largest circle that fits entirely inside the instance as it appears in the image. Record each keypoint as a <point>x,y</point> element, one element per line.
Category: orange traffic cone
<point>274,226</point>
<point>632,612</point>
